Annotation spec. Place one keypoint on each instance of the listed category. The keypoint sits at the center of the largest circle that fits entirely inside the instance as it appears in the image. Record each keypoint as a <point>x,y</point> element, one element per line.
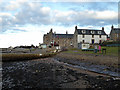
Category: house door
<point>92,41</point>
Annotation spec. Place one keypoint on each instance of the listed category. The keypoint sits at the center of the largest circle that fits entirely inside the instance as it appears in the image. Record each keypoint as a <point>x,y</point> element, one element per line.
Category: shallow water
<point>95,68</point>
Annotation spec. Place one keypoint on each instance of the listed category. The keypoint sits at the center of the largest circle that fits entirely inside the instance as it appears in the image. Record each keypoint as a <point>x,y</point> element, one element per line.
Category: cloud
<point>107,15</point>
<point>0,20</point>
<point>36,14</point>
<point>5,15</point>
<point>86,17</point>
<point>16,39</point>
<point>23,12</point>
<point>27,13</point>
<point>76,0</point>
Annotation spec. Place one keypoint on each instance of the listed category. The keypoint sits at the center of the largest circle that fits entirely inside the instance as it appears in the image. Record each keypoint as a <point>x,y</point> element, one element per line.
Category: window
<point>100,41</point>
<point>83,36</point>
<point>92,32</point>
<point>99,32</point>
<point>83,31</point>
<point>99,36</point>
<point>92,36</point>
<point>83,41</point>
<point>117,35</point>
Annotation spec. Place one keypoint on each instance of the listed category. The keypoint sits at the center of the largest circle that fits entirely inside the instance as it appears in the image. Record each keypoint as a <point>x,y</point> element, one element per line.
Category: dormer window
<point>83,31</point>
<point>92,32</point>
<point>99,32</point>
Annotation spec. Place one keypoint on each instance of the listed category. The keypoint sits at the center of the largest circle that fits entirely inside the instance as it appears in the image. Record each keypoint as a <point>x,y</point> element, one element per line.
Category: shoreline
<point>110,61</point>
<point>47,73</point>
<point>11,57</point>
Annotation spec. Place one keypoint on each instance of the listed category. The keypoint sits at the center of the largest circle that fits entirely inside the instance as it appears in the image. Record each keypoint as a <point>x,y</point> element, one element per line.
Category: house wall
<point>113,35</point>
<point>88,38</point>
<point>62,42</point>
<point>75,39</point>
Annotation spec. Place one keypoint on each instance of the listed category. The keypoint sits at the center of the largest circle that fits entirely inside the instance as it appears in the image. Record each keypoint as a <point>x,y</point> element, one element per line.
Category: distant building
<point>80,39</point>
<point>114,33</point>
<point>90,36</point>
<point>42,46</point>
<point>61,40</point>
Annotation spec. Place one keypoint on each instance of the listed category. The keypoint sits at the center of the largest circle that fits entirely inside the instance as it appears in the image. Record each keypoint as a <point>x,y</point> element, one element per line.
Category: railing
<point>88,49</point>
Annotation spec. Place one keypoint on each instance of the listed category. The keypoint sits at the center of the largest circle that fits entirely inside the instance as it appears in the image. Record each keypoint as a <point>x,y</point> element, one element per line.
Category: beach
<point>54,72</point>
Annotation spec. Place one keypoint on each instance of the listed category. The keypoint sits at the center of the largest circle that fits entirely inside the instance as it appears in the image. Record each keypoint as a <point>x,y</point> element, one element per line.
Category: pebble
<point>36,70</point>
<point>116,78</point>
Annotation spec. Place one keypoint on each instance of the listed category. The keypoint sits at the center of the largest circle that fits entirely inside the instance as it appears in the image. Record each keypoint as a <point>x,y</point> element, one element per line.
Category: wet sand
<point>49,73</point>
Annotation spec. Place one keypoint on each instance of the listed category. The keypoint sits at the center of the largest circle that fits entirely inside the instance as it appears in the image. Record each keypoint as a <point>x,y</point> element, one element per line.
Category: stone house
<point>114,33</point>
<point>90,36</point>
<point>61,40</point>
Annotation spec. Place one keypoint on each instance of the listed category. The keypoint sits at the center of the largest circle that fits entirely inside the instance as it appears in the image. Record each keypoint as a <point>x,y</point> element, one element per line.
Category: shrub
<point>108,43</point>
<point>21,57</point>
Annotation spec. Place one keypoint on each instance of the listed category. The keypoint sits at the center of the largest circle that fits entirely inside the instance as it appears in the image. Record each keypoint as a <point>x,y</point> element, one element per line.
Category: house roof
<point>116,30</point>
<point>63,35</point>
<point>91,32</point>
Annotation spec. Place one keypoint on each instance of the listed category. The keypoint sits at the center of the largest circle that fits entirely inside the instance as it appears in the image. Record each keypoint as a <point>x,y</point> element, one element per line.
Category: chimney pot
<point>66,32</point>
<point>103,28</point>
<point>75,27</point>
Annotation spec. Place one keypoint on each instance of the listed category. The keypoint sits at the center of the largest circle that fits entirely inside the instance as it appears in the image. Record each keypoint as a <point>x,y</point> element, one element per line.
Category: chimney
<point>66,32</point>
<point>75,27</point>
<point>51,30</point>
<point>103,28</point>
<point>112,27</point>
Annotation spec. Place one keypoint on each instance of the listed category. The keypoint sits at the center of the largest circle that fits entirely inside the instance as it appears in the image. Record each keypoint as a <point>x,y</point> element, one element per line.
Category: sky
<point>24,22</point>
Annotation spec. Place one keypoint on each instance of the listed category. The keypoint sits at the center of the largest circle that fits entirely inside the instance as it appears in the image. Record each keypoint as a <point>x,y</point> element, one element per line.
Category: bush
<point>21,57</point>
<point>105,43</point>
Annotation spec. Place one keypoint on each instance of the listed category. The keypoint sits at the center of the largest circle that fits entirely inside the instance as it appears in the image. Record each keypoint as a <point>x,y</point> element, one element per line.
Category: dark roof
<point>88,32</point>
<point>63,35</point>
<point>116,30</point>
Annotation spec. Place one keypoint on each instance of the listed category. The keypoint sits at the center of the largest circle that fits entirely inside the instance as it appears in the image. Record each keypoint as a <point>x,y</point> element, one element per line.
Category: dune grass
<point>21,57</point>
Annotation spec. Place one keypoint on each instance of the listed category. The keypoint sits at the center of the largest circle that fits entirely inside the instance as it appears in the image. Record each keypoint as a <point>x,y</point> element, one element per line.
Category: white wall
<point>87,38</point>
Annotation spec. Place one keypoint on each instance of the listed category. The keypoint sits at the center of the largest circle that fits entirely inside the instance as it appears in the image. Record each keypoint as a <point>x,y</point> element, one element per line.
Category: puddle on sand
<point>95,68</point>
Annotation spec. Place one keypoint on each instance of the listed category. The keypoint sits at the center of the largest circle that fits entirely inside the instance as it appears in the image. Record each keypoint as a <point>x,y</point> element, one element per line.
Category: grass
<point>112,51</point>
<point>21,57</point>
<point>109,59</point>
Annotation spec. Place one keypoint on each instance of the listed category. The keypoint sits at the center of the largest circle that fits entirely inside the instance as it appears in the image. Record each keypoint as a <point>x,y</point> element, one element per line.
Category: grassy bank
<point>112,51</point>
<point>109,59</point>
<point>21,57</point>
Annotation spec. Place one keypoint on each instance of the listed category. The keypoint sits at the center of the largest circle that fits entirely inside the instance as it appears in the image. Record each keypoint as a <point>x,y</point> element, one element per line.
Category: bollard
<point>104,50</point>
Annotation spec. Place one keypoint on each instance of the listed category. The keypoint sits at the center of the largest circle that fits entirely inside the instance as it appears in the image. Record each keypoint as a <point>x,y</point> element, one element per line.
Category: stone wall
<point>62,42</point>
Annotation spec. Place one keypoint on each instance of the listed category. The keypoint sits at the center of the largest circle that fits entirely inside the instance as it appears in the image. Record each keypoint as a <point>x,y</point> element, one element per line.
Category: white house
<point>90,36</point>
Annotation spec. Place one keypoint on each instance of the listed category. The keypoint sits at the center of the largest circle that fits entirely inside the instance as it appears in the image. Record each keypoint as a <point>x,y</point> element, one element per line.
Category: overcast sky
<point>23,22</point>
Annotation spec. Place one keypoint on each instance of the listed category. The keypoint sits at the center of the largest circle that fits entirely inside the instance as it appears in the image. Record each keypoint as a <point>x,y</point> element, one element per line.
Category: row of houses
<point>80,36</point>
